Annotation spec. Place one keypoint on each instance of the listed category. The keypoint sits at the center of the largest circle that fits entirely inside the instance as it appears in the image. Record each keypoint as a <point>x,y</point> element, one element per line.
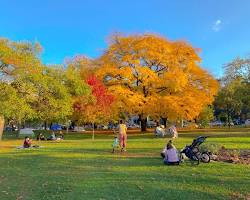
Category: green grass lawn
<point>79,168</point>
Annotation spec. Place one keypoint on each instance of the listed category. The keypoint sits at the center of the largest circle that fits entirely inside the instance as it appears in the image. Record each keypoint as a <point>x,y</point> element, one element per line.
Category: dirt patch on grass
<point>233,156</point>
<point>238,196</point>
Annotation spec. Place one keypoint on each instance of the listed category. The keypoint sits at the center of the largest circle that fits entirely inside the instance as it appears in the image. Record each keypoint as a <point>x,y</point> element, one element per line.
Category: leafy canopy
<point>150,75</point>
<point>98,107</point>
<point>31,90</point>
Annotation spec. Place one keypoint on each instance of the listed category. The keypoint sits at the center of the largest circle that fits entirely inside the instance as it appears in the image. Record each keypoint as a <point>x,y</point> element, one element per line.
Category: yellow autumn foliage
<point>150,75</point>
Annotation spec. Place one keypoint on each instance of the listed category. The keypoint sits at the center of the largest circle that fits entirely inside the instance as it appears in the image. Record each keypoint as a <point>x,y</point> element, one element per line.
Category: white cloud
<point>217,25</point>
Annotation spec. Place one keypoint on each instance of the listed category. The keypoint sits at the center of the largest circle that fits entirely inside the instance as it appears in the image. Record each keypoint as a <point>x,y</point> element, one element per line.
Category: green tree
<point>16,59</point>
<point>51,92</point>
<point>239,68</point>
<point>229,102</point>
<point>12,106</point>
<point>31,90</point>
<point>206,115</point>
<point>234,97</point>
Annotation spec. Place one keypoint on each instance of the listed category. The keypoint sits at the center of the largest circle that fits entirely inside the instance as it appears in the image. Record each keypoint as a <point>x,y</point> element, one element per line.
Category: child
<point>115,144</point>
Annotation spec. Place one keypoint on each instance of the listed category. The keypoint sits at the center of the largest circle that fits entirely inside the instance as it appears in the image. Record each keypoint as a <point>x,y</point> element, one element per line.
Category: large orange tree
<point>153,76</point>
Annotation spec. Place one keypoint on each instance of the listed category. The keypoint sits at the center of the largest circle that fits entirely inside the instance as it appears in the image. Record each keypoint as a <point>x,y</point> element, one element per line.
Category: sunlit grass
<point>86,169</point>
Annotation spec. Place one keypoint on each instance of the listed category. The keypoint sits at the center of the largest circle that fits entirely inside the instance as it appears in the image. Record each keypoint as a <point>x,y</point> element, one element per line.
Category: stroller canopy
<point>198,141</point>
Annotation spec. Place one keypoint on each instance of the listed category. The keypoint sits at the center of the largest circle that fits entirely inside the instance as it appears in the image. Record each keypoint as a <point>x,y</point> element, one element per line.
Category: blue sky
<point>221,28</point>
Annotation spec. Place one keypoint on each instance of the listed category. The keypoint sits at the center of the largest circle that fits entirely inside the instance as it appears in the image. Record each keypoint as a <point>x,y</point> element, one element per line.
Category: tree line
<point>143,75</point>
<point>233,99</point>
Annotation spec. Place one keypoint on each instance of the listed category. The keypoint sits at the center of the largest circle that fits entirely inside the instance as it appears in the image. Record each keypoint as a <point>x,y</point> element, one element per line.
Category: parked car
<point>8,128</point>
<point>79,129</point>
<point>247,122</point>
<point>216,123</point>
<point>26,132</point>
<point>102,127</point>
<point>226,124</point>
<point>190,125</point>
<point>151,124</point>
<point>41,128</point>
<point>133,126</point>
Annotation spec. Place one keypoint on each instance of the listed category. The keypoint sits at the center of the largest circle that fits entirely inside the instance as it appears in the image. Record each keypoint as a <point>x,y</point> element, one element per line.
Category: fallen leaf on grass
<point>140,187</point>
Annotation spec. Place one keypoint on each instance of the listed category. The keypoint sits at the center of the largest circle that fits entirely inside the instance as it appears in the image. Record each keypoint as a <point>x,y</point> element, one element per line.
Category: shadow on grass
<point>72,176</point>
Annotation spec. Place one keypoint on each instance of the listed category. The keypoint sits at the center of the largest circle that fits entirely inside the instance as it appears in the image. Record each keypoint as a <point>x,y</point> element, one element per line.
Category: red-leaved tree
<point>98,107</point>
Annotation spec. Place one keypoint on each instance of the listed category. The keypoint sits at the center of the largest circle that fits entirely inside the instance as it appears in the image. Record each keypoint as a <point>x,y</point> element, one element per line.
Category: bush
<point>211,147</point>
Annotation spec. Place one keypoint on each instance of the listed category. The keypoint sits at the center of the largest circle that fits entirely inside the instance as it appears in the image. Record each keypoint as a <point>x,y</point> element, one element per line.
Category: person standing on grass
<point>123,135</point>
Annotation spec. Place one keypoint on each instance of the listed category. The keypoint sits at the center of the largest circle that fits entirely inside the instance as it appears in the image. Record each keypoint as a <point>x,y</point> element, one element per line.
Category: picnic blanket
<point>32,147</point>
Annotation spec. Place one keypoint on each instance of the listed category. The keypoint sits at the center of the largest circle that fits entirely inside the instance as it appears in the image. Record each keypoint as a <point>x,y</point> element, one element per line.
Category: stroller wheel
<point>205,157</point>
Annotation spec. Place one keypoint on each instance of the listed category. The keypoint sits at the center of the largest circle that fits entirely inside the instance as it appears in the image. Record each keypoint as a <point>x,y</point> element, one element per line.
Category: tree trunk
<point>1,126</point>
<point>143,124</point>
<point>93,132</point>
<point>50,125</point>
<point>73,124</point>
<point>164,119</point>
<point>228,120</point>
<point>45,125</point>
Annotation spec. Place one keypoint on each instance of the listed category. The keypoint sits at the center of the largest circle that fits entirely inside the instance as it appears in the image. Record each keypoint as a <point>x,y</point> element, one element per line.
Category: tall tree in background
<point>234,97</point>
<point>51,93</point>
<point>150,75</point>
<point>95,109</point>
<point>205,116</point>
<point>16,59</point>
<point>12,106</point>
<point>238,69</point>
<point>31,90</point>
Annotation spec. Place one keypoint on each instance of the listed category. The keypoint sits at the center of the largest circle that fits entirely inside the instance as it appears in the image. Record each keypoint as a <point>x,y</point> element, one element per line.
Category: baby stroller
<point>193,152</point>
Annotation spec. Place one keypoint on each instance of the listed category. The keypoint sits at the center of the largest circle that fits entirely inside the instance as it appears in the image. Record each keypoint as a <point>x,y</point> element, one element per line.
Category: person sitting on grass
<point>52,136</point>
<point>27,142</point>
<point>165,148</point>
<point>173,131</point>
<point>115,144</point>
<point>61,136</point>
<point>40,136</point>
<point>171,155</point>
<point>159,130</point>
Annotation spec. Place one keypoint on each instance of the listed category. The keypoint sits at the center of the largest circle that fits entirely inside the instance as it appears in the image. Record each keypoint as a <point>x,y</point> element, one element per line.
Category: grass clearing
<point>79,168</point>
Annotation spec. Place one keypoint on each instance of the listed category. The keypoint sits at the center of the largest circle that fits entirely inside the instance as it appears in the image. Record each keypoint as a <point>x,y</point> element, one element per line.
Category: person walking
<point>123,135</point>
